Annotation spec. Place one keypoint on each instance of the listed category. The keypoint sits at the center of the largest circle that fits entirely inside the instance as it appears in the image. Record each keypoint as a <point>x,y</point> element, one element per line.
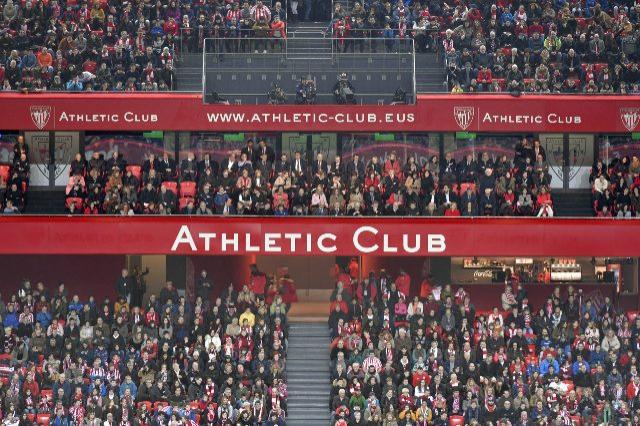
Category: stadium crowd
<point>254,181</point>
<point>616,187</point>
<point>136,360</point>
<point>431,358</point>
<point>542,47</point>
<point>77,46</point>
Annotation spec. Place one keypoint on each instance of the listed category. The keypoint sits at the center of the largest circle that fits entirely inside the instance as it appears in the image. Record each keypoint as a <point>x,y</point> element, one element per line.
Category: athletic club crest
<point>40,115</point>
<point>630,118</point>
<point>463,116</point>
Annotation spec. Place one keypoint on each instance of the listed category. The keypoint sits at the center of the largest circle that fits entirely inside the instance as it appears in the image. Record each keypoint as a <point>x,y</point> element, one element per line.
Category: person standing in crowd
<point>204,287</point>
<point>124,285</point>
<point>139,286</point>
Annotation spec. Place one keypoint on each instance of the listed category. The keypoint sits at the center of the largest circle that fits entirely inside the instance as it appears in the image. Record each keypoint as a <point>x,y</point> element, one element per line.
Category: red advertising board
<point>310,236</point>
<point>431,113</point>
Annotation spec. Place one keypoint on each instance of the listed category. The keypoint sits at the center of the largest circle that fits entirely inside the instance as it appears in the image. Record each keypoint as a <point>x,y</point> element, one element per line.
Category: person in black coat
<point>208,163</point>
<point>263,148</point>
<point>204,286</point>
<point>298,164</point>
<point>167,167</point>
<point>356,166</point>
<point>124,286</point>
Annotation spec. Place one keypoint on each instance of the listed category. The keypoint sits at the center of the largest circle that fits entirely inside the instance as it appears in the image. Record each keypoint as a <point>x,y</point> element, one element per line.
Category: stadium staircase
<point>308,374</point>
<point>307,42</point>
<point>574,203</point>
<point>190,73</point>
<point>430,73</point>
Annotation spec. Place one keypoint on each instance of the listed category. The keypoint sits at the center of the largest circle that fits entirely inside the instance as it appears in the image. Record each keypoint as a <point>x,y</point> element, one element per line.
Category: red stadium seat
<point>599,67</point>
<point>631,315</point>
<point>171,186</point>
<point>46,392</point>
<point>576,420</point>
<point>456,421</point>
<point>136,171</point>
<point>43,419</point>
<point>188,189</point>
<point>464,186</point>
<point>74,200</point>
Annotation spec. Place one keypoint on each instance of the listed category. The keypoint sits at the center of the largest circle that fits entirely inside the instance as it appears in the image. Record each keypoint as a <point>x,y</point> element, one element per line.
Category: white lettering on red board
<point>365,239</point>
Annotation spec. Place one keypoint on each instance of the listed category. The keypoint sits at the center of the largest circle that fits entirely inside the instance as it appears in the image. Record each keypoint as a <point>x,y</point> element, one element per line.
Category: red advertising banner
<point>431,113</point>
<point>297,236</point>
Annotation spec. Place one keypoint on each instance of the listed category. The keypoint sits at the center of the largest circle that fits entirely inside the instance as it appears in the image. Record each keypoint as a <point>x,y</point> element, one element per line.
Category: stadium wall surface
<point>431,113</point>
<point>300,236</point>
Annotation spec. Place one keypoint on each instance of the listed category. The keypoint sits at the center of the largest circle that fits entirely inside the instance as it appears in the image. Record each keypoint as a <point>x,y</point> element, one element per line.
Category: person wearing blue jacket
<point>579,361</point>
<point>75,304</point>
<point>44,317</point>
<point>128,384</point>
<point>10,318</point>
<point>549,361</point>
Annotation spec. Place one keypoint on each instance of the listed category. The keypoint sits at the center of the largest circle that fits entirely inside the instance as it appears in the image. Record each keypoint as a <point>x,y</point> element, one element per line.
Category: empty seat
<point>188,189</point>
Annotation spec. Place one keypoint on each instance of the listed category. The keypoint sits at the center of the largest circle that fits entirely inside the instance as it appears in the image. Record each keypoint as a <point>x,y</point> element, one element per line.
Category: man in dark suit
<point>167,167</point>
<point>208,163</point>
<point>150,163</point>
<point>488,203</point>
<point>338,168</point>
<point>167,199</point>
<point>124,285</point>
<point>264,166</point>
<point>189,168</point>
<point>116,161</point>
<point>283,164</point>
<point>250,150</point>
<point>298,164</point>
<point>320,164</point>
<point>356,166</point>
<point>469,197</point>
<point>446,197</point>
<point>230,163</point>
<point>263,148</point>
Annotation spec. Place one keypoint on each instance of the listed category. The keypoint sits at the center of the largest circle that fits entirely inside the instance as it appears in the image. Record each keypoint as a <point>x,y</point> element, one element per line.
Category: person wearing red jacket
<point>278,29</point>
<point>403,283</point>
<point>171,27</point>
<point>452,210</point>
<point>392,163</point>
<point>484,78</point>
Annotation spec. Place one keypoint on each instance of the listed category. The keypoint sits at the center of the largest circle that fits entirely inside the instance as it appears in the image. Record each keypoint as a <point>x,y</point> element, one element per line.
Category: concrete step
<point>306,382</point>
<point>306,405</point>
<point>308,374</point>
